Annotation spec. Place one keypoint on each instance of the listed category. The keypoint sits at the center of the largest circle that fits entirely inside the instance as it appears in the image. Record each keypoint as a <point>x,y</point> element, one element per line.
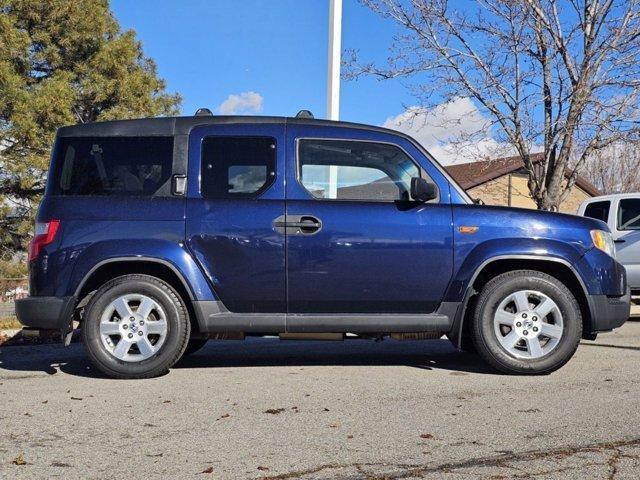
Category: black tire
<point>194,345</point>
<point>177,335</point>
<point>485,339</point>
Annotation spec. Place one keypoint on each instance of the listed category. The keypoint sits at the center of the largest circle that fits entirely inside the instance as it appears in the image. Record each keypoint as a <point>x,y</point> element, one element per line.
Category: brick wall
<point>496,192</point>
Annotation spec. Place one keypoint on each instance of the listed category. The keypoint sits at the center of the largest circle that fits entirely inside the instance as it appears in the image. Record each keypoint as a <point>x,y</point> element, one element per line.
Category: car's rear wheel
<point>526,322</point>
<point>135,326</point>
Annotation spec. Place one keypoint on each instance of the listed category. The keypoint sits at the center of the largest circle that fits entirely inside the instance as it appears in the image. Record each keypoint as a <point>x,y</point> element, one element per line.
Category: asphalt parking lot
<point>354,409</point>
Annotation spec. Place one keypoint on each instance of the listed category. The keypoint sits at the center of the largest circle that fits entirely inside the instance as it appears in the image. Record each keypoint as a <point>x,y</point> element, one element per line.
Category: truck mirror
<point>423,191</point>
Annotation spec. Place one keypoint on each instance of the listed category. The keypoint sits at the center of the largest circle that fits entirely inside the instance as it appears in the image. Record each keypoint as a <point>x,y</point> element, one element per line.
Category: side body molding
<point>470,260</point>
<point>214,317</point>
<point>173,256</point>
<point>457,327</point>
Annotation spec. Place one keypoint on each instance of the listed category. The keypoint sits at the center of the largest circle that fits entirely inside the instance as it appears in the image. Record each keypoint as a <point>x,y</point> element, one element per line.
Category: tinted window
<point>113,166</point>
<point>237,167</point>
<point>598,210</point>
<point>629,214</point>
<point>352,170</point>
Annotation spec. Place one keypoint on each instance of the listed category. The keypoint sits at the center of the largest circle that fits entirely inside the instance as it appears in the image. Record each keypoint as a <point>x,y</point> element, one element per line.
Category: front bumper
<point>45,313</point>
<point>607,312</point>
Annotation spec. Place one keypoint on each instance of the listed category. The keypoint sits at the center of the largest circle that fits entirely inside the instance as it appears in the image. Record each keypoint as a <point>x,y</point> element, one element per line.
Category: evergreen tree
<point>61,62</point>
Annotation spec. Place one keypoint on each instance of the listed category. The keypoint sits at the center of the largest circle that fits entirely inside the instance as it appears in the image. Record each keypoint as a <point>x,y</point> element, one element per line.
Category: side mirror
<point>423,191</point>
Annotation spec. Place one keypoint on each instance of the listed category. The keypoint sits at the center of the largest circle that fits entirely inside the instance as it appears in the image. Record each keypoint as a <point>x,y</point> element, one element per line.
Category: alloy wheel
<point>133,327</point>
<point>528,324</point>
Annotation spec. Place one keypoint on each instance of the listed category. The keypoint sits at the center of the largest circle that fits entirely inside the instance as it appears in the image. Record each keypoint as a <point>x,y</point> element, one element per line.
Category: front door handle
<point>297,224</point>
<point>306,223</point>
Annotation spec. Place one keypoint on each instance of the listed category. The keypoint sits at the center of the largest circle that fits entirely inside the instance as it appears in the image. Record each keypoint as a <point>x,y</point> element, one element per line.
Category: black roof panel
<point>183,125</point>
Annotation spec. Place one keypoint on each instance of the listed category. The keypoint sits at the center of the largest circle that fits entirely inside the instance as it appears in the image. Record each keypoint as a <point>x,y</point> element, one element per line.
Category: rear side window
<point>598,210</point>
<point>237,167</point>
<point>629,214</point>
<point>355,170</point>
<point>123,166</point>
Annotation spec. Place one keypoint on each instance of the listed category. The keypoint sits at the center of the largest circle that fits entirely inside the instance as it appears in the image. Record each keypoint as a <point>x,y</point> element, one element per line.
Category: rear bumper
<point>608,313</point>
<point>45,313</point>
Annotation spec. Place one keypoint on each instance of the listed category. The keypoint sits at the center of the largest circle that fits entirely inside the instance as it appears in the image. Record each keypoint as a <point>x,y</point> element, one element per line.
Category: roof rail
<point>203,112</point>
<point>304,114</point>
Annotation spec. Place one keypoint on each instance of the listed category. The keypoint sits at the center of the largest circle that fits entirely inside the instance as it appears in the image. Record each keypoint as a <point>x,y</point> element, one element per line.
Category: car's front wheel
<point>526,322</point>
<point>135,326</point>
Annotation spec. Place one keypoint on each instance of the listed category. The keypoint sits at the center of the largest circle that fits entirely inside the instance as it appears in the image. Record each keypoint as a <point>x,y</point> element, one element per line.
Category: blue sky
<point>269,57</point>
<point>208,50</point>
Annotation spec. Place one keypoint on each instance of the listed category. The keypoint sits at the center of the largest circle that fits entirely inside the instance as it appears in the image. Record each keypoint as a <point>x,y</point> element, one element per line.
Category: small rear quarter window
<point>107,166</point>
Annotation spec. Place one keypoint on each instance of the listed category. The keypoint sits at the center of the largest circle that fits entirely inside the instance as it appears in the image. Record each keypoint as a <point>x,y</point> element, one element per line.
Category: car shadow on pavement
<point>606,345</point>
<point>42,360</point>
<point>262,352</point>
<point>271,352</point>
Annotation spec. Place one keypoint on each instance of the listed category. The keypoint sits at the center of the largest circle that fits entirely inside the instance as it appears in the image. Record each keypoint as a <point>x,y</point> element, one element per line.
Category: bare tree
<point>557,76</point>
<point>615,169</point>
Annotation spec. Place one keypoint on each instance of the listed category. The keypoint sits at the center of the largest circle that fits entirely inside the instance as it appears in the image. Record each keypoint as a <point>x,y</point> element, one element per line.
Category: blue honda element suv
<point>158,234</point>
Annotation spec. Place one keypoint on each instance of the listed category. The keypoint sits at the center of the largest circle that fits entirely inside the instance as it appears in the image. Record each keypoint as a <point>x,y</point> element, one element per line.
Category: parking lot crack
<point>502,461</point>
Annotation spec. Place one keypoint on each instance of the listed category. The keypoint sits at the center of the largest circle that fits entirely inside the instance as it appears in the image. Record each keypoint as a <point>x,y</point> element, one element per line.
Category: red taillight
<point>44,235</point>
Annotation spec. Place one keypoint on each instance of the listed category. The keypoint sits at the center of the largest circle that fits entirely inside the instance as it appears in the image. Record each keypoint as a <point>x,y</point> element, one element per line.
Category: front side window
<point>629,214</point>
<point>103,166</point>
<point>237,167</point>
<point>355,170</point>
<point>598,210</point>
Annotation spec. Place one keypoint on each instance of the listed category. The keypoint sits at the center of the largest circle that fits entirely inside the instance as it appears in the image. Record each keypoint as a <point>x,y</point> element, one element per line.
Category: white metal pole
<point>333,66</point>
<point>333,79</point>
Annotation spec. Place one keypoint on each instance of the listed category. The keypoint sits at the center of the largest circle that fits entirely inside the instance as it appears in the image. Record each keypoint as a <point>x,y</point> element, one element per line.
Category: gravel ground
<point>315,410</point>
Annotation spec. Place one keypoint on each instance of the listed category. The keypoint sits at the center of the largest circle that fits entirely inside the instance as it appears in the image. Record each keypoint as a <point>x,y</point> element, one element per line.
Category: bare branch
<point>561,76</point>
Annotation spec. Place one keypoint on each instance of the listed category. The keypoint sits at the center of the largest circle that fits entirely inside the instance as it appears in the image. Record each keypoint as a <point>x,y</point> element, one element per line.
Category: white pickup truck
<point>622,213</point>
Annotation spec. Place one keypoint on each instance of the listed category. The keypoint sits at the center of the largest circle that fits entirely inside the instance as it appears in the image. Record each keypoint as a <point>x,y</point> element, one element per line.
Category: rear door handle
<point>297,224</point>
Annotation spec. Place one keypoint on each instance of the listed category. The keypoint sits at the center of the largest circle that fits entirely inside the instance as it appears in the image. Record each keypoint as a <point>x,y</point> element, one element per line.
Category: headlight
<point>604,241</point>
